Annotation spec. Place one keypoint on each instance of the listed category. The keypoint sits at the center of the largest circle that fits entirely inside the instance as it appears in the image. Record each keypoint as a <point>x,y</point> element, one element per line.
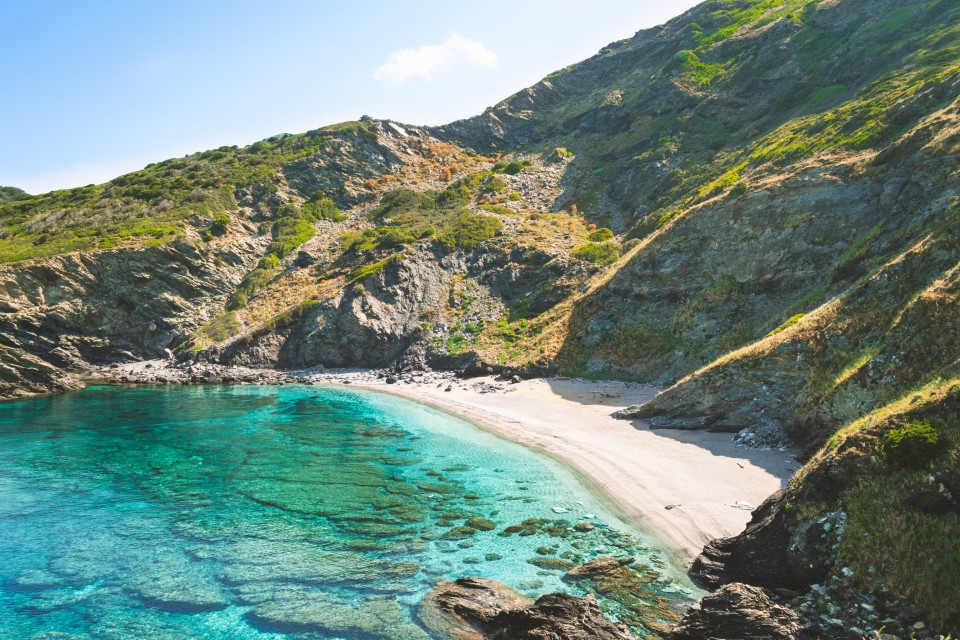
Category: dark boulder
<point>480,609</point>
<point>739,612</point>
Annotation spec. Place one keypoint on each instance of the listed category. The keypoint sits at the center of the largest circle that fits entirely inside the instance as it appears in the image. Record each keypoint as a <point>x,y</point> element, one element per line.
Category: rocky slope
<point>755,205</point>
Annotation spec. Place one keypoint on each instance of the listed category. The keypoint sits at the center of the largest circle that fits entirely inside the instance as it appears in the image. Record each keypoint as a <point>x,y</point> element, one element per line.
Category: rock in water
<point>739,612</point>
<point>480,609</point>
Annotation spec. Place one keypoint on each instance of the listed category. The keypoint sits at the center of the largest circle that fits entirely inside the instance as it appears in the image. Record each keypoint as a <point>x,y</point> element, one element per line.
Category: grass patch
<point>912,445</point>
<point>791,321</point>
<point>697,74</point>
<point>221,328</point>
<point>368,270</point>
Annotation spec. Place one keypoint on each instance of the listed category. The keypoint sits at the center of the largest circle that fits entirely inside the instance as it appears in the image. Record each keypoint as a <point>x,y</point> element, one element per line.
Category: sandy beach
<point>685,487</point>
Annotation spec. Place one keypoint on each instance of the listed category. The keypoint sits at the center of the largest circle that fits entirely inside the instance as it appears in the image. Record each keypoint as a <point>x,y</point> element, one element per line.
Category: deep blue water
<point>255,512</point>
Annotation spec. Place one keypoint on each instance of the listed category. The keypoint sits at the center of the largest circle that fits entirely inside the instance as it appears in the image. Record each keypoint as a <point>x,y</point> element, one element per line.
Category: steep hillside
<point>755,205</point>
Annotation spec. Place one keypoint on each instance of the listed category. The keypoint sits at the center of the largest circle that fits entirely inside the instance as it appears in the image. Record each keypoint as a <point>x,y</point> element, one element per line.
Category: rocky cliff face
<point>71,311</point>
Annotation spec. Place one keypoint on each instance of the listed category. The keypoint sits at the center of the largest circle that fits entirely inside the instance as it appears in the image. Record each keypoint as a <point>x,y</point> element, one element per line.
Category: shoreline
<point>489,425</point>
<point>685,487</point>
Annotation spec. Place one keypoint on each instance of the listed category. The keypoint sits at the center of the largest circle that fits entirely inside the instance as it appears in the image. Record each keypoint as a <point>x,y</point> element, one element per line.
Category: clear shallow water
<point>255,512</point>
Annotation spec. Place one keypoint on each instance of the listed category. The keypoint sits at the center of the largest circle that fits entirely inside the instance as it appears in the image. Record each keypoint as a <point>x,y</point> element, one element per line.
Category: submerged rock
<point>304,610</point>
<point>481,524</point>
<point>630,591</point>
<point>480,609</point>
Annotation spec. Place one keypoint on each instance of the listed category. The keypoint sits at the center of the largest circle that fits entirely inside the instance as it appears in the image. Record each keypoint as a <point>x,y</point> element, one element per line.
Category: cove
<point>259,512</point>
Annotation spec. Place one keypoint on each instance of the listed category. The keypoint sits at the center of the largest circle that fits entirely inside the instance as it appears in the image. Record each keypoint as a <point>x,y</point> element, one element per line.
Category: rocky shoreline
<point>161,372</point>
<point>734,611</point>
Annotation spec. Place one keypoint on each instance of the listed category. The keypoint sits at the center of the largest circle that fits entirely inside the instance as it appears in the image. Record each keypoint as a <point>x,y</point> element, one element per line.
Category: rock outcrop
<point>480,609</point>
<point>739,612</point>
<point>73,311</point>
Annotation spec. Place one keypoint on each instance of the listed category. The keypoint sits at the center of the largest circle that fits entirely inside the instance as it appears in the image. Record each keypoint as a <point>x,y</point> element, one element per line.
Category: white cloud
<point>428,60</point>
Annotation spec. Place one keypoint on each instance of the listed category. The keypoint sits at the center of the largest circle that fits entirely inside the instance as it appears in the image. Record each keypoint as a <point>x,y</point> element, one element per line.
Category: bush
<point>293,227</point>
<point>381,238</point>
<point>392,238</point>
<point>561,153</point>
<point>512,168</point>
<point>495,185</point>
<point>453,197</point>
<point>220,224</point>
<point>598,252</point>
<point>322,208</point>
<point>469,230</point>
<point>601,235</point>
<point>288,234</point>
<point>912,445</point>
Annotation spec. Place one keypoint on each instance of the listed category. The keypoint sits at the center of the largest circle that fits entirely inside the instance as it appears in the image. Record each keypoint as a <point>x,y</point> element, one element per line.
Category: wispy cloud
<point>426,61</point>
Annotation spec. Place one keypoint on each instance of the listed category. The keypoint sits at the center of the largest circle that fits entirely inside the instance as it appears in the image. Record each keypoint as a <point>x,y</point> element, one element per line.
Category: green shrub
<point>601,235</point>
<point>598,252</point>
<point>561,153</point>
<point>912,445</point>
<point>453,197</point>
<point>382,238</point>
<point>268,262</point>
<point>220,223</point>
<point>12,193</point>
<point>469,230</point>
<point>321,207</point>
<point>513,197</point>
<point>293,227</point>
<point>495,185</point>
<point>512,168</point>
<point>393,237</point>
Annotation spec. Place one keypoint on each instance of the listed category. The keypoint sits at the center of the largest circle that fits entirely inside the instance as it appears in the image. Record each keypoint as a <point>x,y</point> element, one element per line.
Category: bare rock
<point>739,612</point>
<point>480,609</point>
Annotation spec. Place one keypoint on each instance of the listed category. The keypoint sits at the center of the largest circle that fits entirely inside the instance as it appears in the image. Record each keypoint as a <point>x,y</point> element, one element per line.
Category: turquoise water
<point>255,512</point>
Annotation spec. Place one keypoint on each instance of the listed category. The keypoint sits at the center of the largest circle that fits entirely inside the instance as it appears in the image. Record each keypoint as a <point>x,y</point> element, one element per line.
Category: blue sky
<point>96,89</point>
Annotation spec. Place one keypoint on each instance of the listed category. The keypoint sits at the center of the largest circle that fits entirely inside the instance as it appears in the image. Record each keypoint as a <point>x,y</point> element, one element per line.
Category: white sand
<point>711,483</point>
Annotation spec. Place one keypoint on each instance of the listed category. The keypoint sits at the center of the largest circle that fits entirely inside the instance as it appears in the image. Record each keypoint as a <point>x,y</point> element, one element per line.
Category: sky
<point>97,89</point>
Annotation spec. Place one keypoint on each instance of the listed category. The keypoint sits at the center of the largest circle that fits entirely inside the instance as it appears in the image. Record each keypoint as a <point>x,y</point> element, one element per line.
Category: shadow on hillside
<point>617,395</point>
<point>782,464</point>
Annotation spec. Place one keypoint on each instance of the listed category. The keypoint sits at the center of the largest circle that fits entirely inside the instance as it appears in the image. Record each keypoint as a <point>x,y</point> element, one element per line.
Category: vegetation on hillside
<point>154,205</point>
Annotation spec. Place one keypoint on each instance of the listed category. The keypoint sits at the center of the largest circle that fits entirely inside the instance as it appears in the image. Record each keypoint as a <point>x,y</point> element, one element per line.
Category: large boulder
<point>739,612</point>
<point>480,609</point>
